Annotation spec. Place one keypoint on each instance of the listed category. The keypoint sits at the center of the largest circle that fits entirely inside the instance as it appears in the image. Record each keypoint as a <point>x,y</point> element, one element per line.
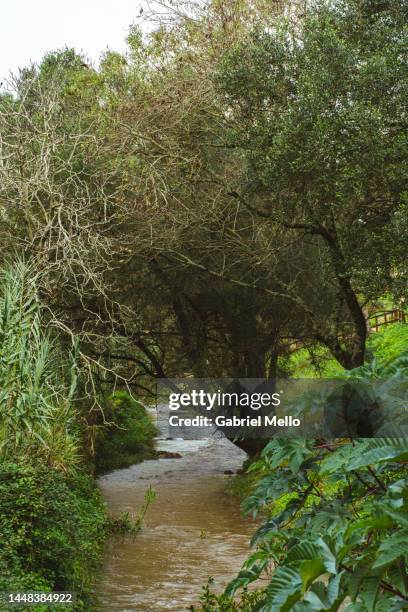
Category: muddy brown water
<point>193,529</point>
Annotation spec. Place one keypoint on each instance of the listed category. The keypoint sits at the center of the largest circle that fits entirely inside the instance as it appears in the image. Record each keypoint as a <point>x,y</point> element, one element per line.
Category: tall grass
<point>37,382</point>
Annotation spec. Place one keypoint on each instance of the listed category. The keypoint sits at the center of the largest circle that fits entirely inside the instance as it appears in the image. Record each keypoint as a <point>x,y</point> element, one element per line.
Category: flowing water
<point>193,529</point>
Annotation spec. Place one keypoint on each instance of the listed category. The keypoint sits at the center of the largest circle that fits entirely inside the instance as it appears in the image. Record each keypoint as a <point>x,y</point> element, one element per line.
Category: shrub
<point>52,530</point>
<point>127,436</point>
<point>336,531</point>
<point>316,362</point>
<point>211,602</point>
<point>389,343</point>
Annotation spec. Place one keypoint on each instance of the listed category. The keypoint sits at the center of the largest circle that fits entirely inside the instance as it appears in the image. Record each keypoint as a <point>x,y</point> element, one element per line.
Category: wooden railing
<point>385,317</point>
<point>374,322</point>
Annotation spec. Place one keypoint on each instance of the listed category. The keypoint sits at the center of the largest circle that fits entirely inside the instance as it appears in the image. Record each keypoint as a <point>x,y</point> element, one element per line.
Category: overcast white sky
<point>30,28</point>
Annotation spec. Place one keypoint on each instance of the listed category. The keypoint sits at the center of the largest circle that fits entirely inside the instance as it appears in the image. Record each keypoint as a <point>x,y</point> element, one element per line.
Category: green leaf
<point>284,590</point>
<point>302,551</point>
<point>378,451</point>
<point>392,548</point>
<point>333,588</point>
<point>329,558</point>
<point>310,570</point>
<point>337,460</point>
<point>369,590</point>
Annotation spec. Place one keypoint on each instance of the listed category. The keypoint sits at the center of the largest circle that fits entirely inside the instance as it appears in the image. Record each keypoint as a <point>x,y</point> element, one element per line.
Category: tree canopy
<point>234,182</point>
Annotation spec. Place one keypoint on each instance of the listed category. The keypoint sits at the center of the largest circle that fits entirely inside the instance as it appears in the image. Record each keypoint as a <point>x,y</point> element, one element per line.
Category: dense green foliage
<point>385,345</point>
<point>316,362</point>
<point>37,381</point>
<point>389,343</point>
<point>53,522</point>
<point>52,530</point>
<point>339,530</point>
<point>336,534</point>
<point>316,110</point>
<point>127,437</point>
<point>336,525</point>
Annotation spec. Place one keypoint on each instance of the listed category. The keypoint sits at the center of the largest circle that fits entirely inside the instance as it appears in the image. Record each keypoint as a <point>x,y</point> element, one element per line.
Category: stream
<point>192,530</point>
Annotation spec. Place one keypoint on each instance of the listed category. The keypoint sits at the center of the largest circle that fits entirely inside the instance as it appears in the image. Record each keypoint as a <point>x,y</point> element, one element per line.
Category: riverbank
<point>53,529</point>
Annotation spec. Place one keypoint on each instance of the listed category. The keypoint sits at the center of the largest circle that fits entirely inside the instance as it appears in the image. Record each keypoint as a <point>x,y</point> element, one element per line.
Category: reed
<point>37,381</point>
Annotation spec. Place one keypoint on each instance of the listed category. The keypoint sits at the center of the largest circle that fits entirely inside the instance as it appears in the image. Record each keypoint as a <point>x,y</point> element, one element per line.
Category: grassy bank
<point>317,362</point>
<point>128,435</point>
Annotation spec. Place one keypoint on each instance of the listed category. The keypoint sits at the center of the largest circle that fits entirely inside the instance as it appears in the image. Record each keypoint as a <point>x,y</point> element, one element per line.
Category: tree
<point>318,109</point>
<point>114,169</point>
